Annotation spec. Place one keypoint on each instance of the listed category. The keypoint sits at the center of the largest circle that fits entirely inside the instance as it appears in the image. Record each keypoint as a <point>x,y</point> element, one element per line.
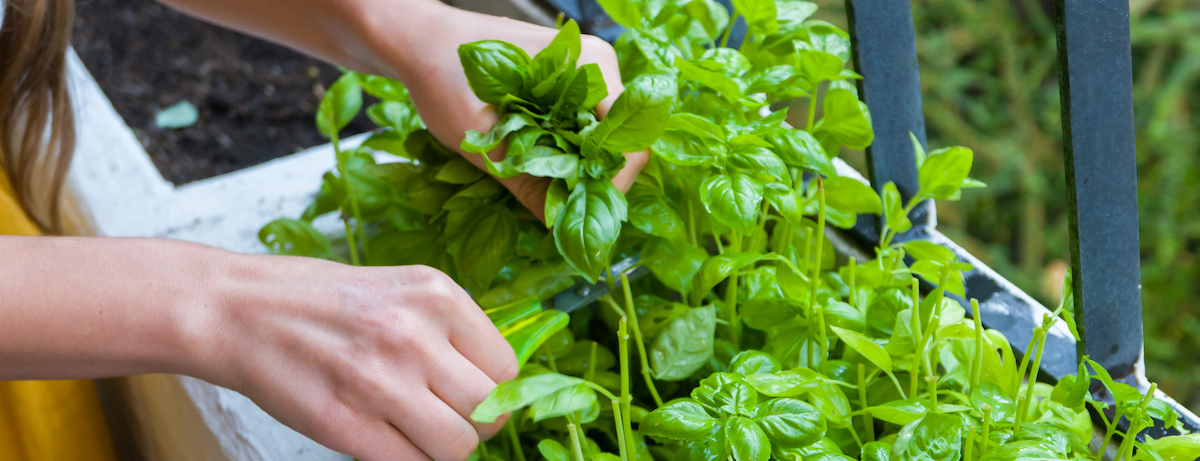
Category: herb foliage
<point>752,341</point>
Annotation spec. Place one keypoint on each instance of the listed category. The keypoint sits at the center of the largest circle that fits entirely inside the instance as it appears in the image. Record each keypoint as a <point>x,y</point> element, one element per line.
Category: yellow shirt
<point>47,420</point>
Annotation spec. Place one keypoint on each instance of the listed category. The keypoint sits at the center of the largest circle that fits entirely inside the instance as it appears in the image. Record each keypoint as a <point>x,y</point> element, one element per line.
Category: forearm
<point>343,32</point>
<point>93,307</point>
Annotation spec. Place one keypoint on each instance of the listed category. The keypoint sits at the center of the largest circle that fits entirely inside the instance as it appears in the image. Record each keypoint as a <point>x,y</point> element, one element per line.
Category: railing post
<point>885,48</point>
<point>1096,82</point>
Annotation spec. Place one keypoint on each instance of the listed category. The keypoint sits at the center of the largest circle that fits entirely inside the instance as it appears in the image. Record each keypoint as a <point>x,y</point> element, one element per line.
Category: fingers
<point>461,384</point>
<point>477,340</point>
<point>381,441</point>
<point>433,426</point>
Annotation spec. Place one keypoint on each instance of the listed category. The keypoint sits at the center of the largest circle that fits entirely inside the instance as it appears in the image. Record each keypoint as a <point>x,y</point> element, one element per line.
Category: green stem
<point>691,224</point>
<point>345,174</point>
<point>623,349</point>
<point>815,279</point>
<point>1033,372</point>
<point>720,246</point>
<point>1016,382</point>
<point>915,327</point>
<point>622,444</point>
<point>550,363</point>
<point>987,426</point>
<point>969,445</point>
<point>1126,448</point>
<point>824,340</point>
<point>591,373</point>
<point>868,421</point>
<point>575,446</point>
<point>853,270</point>
<point>731,293</point>
<point>733,20</point>
<point>516,441</point>
<point>637,336</point>
<point>977,361</point>
<point>812,109</point>
<point>931,383</point>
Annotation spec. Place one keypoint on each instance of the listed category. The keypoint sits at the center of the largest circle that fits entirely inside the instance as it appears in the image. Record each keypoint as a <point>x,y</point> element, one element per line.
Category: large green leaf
<point>638,116</point>
<point>681,419</point>
<point>294,237</point>
<point>567,400</point>
<point>733,200</point>
<point>588,226</point>
<point>846,119</point>
<point>935,437</point>
<point>519,393</point>
<point>747,440</point>
<point>485,246</point>
<point>494,69</point>
<point>527,335</point>
<point>790,423</point>
<point>340,105</point>
<point>760,16</point>
<point>685,345</point>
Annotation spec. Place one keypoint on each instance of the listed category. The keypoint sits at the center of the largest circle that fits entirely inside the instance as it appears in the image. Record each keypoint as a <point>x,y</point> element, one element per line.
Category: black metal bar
<point>885,54</point>
<point>1096,83</point>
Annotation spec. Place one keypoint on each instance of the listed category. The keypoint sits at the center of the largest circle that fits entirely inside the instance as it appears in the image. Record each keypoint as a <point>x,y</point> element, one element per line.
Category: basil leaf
<point>489,241</point>
<point>384,88</point>
<point>597,88</point>
<point>726,393</point>
<point>556,200</point>
<point>786,201</point>
<point>785,384</point>
<point>553,451</point>
<point>760,17</point>
<point>623,12</point>
<point>893,209</point>
<point>459,171</point>
<point>935,437</point>
<point>763,313</point>
<point>681,419</point>
<point>1004,409</point>
<point>747,440</point>
<point>790,423</point>
<point>868,349</point>
<point>294,237</point>
<point>733,200</point>
<point>568,400</point>
<point>403,248</point>
<point>588,226</point>
<point>753,362</point>
<point>494,69</point>
<point>674,263</point>
<point>720,267</point>
<point>685,345</point>
<point>340,105</point>
<point>943,172</point>
<point>725,86</point>
<point>518,393</point>
<point>503,316</point>
<point>846,119</point>
<point>761,163</point>
<point>638,116</point>
<point>851,196</point>
<point>799,149</point>
<point>649,212</point>
<point>529,334</point>
<point>480,143</point>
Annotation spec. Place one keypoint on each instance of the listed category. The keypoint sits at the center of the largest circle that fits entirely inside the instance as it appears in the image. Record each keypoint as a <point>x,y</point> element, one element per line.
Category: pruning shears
<point>584,293</point>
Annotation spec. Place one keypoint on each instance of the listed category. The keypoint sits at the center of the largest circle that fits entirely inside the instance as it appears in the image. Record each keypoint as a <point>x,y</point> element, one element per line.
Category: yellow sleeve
<point>47,420</point>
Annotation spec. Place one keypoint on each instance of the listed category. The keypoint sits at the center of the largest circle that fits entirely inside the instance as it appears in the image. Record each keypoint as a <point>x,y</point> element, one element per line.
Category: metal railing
<point>1095,75</point>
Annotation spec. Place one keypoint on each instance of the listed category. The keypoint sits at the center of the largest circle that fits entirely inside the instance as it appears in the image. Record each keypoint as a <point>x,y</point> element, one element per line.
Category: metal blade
<point>584,293</point>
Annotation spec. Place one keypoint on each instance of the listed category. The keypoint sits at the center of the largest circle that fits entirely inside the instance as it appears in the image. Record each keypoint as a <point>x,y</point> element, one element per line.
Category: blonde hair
<point>37,121</point>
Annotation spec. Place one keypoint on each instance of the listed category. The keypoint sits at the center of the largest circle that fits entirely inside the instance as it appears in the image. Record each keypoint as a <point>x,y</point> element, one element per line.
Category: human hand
<point>438,85</point>
<point>377,363</point>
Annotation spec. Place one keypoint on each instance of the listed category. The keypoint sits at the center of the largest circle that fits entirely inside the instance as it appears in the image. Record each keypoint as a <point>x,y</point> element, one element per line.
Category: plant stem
<point>637,336</point>
<point>622,444</point>
<point>824,340</point>
<point>516,441</point>
<point>868,421</point>
<point>915,327</point>
<point>591,373</point>
<point>931,384</point>
<point>728,30</point>
<point>731,293</point>
<point>987,426</point>
<point>815,280</point>
<point>1135,426</point>
<point>853,269</point>
<point>691,224</point>
<point>1040,334</point>
<point>720,246</point>
<point>977,361</point>
<point>345,174</point>
<point>812,108</point>
<point>575,447</point>
<point>969,446</point>
<point>549,359</point>
<point>623,347</point>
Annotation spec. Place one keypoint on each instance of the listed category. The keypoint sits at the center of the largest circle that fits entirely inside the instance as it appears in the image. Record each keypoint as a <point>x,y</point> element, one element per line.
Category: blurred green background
<point>990,78</point>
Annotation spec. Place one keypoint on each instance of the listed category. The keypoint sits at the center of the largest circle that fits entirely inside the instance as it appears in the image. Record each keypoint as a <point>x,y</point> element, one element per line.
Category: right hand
<point>377,363</point>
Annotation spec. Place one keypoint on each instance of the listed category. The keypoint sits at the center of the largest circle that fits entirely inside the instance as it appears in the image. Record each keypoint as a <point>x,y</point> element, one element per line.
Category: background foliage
<point>990,78</point>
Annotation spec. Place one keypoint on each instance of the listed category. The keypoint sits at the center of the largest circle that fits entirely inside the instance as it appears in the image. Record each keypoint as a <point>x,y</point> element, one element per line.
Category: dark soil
<point>256,99</point>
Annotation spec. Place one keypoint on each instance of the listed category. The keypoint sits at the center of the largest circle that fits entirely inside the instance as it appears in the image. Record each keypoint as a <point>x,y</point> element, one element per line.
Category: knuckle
<point>465,445</point>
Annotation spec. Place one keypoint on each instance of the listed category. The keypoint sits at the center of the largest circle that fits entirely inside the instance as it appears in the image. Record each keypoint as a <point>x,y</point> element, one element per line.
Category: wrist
<point>399,37</point>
